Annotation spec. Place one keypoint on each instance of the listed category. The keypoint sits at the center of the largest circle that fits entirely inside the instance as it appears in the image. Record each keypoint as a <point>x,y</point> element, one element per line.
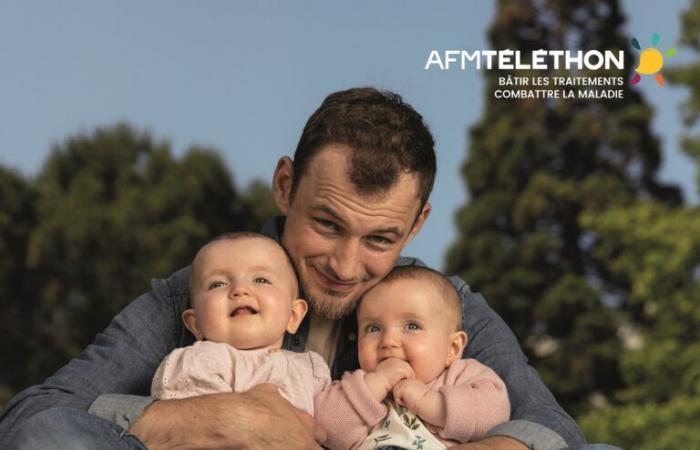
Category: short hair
<point>386,136</point>
<point>235,235</point>
<point>448,292</point>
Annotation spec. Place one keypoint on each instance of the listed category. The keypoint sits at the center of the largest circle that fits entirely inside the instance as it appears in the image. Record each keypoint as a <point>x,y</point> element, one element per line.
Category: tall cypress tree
<point>658,251</point>
<point>533,167</point>
<point>688,76</point>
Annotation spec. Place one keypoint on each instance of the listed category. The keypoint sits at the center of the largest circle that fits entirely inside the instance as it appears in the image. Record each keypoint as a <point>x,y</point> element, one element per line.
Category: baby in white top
<point>244,297</point>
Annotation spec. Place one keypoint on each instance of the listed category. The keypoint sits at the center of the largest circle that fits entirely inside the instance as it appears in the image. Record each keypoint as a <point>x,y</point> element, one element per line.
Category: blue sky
<point>244,76</point>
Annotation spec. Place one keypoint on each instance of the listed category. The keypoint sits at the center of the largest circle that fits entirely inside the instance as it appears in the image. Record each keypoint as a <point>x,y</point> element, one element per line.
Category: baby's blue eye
<point>372,329</point>
<point>412,326</point>
<point>216,284</point>
<point>262,280</point>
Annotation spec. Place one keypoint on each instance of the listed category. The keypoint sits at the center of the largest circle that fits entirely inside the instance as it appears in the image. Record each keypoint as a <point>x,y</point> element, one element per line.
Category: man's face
<point>342,242</point>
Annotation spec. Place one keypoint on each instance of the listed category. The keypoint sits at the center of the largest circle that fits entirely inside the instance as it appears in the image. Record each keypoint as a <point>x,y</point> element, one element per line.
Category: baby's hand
<point>421,401</point>
<point>394,370</point>
<point>409,393</point>
<point>387,374</point>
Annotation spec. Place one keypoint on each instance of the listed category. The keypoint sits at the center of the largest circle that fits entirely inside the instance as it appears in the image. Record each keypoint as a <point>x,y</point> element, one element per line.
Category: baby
<point>243,297</point>
<point>413,386</point>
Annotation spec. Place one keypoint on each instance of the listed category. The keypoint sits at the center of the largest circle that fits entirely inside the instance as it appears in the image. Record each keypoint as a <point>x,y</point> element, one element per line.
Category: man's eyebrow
<point>388,230</point>
<point>329,211</point>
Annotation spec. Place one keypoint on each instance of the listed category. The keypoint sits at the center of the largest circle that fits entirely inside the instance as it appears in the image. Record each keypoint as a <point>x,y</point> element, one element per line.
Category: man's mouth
<point>243,311</point>
<point>334,284</point>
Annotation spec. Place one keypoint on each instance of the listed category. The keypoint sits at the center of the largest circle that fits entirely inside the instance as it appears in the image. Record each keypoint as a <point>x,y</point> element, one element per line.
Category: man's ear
<point>299,308</point>
<point>458,341</point>
<point>190,320</point>
<point>282,184</point>
<point>418,223</point>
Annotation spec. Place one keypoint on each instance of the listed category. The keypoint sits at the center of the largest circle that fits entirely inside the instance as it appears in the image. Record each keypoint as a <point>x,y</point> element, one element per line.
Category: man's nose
<point>345,260</point>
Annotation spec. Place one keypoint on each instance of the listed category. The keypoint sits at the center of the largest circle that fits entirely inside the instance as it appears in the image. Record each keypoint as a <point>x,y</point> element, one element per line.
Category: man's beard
<point>328,304</point>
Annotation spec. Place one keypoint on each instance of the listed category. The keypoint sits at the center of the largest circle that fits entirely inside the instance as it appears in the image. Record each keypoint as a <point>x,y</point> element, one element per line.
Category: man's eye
<point>216,284</point>
<point>262,280</point>
<point>413,326</point>
<point>327,224</point>
<point>372,329</point>
<point>381,240</point>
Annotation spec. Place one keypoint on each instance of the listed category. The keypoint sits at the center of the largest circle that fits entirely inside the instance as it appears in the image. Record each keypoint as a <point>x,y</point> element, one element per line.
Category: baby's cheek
<point>425,362</point>
<point>366,356</point>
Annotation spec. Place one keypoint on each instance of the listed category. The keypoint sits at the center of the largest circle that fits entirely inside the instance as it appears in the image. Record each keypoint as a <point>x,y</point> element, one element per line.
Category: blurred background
<point>132,132</point>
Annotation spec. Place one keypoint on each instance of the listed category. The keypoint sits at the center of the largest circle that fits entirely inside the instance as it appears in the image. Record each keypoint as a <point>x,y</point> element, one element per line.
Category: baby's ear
<point>457,342</point>
<point>299,308</point>
<point>190,320</point>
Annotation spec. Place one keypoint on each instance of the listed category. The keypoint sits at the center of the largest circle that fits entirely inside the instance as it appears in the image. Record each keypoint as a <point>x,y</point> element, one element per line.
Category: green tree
<point>108,211</point>
<point>689,76</point>
<point>257,198</point>
<point>656,250</point>
<point>17,218</point>
<point>534,166</point>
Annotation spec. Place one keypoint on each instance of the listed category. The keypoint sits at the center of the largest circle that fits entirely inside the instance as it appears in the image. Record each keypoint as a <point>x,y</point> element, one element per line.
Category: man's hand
<point>257,419</point>
<point>386,375</point>
<point>492,443</point>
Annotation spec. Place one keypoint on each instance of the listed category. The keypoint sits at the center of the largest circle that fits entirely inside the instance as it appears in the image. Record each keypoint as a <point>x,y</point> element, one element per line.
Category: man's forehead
<point>328,176</point>
<point>332,164</point>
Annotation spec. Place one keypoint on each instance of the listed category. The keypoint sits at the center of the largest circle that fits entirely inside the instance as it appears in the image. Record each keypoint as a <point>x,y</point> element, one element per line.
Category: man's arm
<point>493,443</point>
<point>230,421</point>
<point>537,420</point>
<point>536,417</point>
<point>122,359</point>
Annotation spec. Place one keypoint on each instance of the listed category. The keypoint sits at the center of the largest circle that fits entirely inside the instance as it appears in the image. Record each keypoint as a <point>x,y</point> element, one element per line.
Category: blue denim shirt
<point>124,357</point>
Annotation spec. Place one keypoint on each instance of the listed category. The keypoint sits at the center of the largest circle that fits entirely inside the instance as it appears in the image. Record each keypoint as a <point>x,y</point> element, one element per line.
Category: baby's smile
<point>243,310</point>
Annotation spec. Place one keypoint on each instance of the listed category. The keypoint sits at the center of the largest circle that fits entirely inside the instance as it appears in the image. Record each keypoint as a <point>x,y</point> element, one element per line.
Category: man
<point>353,197</point>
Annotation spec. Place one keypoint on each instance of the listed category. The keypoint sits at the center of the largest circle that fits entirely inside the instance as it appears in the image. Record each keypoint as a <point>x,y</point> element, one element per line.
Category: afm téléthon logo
<point>651,60</point>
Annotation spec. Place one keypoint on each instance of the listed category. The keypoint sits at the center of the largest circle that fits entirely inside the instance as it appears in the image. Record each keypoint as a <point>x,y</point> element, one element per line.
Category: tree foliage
<point>533,168</point>
<point>655,251</point>
<point>17,218</point>
<point>688,76</point>
<point>107,212</point>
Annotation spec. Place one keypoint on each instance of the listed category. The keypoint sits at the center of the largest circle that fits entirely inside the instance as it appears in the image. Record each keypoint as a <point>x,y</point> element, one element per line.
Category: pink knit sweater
<point>211,367</point>
<point>476,399</point>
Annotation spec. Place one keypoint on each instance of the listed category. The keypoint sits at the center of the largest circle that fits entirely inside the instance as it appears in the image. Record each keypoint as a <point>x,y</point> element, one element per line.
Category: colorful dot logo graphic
<point>651,60</point>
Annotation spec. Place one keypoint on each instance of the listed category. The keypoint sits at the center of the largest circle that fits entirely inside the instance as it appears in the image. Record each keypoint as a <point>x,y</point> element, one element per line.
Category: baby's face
<point>406,319</point>
<point>244,294</point>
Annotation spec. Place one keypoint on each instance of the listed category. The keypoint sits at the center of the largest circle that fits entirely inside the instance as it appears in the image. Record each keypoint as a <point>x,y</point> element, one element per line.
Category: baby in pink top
<point>413,389</point>
<point>243,295</point>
